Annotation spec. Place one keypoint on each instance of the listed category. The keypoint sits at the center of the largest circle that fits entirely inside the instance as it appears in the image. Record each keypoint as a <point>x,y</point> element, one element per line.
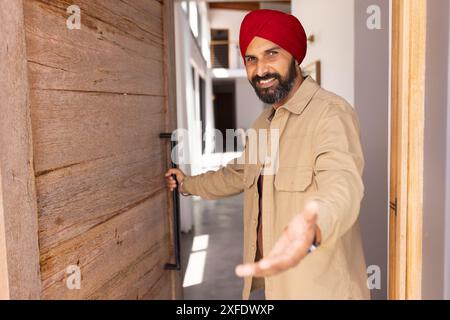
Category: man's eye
<point>250,59</point>
<point>273,53</point>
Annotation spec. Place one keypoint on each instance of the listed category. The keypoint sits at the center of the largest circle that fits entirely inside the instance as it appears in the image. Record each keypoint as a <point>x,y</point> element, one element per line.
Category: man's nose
<point>261,70</point>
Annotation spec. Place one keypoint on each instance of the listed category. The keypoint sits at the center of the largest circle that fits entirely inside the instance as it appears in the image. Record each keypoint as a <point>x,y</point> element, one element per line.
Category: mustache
<point>268,76</point>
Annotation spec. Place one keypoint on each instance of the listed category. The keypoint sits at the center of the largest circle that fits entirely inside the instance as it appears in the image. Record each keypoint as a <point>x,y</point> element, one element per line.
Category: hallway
<point>213,249</point>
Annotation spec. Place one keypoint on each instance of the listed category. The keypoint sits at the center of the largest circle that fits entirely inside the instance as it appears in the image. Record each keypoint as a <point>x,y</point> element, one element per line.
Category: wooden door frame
<point>19,249</point>
<point>409,20</point>
<point>171,120</point>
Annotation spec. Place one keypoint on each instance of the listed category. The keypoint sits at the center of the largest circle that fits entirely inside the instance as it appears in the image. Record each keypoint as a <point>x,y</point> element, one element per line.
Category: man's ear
<point>300,71</point>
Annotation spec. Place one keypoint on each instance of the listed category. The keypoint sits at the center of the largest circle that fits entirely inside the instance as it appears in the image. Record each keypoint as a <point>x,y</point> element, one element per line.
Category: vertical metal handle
<point>176,212</point>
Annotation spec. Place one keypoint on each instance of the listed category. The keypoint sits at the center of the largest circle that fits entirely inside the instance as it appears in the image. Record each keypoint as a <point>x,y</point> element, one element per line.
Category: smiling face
<point>271,70</point>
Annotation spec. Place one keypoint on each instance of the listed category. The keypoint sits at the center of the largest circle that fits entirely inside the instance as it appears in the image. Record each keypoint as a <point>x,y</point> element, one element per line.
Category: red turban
<point>283,29</point>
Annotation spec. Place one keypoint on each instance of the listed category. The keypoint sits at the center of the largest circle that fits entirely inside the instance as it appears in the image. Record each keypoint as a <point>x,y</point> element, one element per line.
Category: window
<point>220,47</point>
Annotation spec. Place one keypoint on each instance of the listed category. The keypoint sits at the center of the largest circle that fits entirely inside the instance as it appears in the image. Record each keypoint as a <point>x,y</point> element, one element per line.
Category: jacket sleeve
<point>225,182</point>
<point>338,169</point>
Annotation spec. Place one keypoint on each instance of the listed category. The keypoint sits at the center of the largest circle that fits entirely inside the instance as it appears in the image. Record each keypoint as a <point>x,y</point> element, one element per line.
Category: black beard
<point>281,91</point>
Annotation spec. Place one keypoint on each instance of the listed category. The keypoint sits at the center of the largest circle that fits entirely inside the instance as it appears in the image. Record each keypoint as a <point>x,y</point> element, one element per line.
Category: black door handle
<point>176,212</point>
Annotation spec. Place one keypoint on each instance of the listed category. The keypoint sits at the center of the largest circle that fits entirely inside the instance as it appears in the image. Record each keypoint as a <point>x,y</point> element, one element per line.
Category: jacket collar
<point>301,98</point>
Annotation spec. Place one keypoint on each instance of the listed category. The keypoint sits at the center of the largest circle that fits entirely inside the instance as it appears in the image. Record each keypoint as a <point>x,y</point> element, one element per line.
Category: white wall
<point>332,24</point>
<point>188,55</point>
<point>231,20</point>
<point>182,60</point>
<point>436,102</point>
<point>372,105</point>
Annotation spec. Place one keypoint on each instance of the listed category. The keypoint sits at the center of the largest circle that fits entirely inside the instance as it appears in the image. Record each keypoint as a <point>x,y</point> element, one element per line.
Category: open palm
<point>290,249</point>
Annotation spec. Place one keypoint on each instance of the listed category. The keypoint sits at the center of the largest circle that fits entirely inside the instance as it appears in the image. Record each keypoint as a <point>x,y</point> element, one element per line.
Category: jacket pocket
<point>293,178</point>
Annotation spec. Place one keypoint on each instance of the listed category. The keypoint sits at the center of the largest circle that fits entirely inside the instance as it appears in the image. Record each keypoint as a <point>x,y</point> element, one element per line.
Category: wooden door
<point>407,148</point>
<point>99,97</point>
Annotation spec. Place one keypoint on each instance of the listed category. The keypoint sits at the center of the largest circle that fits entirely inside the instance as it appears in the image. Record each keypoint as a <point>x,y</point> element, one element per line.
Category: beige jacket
<point>320,158</point>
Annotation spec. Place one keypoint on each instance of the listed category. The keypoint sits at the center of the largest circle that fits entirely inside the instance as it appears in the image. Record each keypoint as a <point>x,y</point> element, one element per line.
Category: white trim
<point>220,73</point>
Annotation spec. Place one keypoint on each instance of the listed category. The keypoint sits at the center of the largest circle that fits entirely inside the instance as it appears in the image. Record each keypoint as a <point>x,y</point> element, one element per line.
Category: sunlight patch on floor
<point>197,259</point>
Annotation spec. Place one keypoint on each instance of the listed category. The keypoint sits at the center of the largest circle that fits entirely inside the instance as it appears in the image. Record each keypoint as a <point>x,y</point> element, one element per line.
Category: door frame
<point>409,26</point>
<point>171,122</point>
<point>19,247</point>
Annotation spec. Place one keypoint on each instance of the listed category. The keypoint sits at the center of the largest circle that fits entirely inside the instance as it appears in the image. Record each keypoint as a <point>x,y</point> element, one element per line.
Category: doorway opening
<point>224,97</point>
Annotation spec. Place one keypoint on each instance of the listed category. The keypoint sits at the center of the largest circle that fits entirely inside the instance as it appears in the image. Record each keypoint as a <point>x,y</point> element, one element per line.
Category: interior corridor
<point>212,250</point>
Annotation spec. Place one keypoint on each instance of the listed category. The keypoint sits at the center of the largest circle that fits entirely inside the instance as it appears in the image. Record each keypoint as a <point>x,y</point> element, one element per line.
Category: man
<point>303,217</point>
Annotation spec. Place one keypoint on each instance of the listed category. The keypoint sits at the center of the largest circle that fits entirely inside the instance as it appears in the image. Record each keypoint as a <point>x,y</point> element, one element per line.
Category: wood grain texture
<point>99,100</point>
<point>73,127</point>
<point>242,6</point>
<point>407,148</point>
<point>75,199</point>
<point>19,255</point>
<point>416,149</point>
<point>397,265</point>
<point>171,120</point>
<point>122,258</point>
<point>111,53</point>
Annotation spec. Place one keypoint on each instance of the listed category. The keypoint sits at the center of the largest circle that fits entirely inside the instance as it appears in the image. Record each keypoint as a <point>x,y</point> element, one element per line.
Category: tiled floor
<point>221,220</point>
